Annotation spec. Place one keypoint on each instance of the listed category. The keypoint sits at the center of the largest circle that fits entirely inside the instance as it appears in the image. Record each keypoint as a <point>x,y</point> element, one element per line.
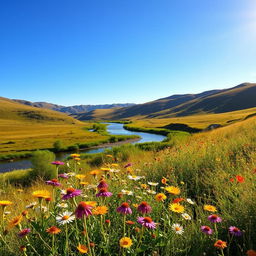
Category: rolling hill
<point>239,97</point>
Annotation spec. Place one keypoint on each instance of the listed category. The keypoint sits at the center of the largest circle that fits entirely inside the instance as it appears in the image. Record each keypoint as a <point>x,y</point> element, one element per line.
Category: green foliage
<point>41,165</point>
<point>57,145</point>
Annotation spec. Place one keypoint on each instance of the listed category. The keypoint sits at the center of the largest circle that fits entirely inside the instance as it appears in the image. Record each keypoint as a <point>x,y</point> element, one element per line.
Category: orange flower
<point>251,253</point>
<point>177,200</point>
<point>15,221</point>
<point>5,203</point>
<point>173,190</point>
<point>100,210</point>
<point>129,222</point>
<point>164,181</point>
<point>160,197</point>
<point>53,230</point>
<point>82,248</point>
<point>41,194</point>
<point>220,244</point>
<point>239,179</point>
<point>210,208</point>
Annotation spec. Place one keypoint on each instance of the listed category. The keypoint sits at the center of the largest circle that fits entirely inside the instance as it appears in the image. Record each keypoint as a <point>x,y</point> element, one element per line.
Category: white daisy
<point>153,183</point>
<point>39,209</point>
<point>62,205</point>
<point>65,217</point>
<point>152,192</point>
<point>114,170</point>
<point>177,228</point>
<point>127,192</point>
<point>7,213</point>
<point>186,216</point>
<point>31,206</point>
<point>134,177</point>
<point>190,201</point>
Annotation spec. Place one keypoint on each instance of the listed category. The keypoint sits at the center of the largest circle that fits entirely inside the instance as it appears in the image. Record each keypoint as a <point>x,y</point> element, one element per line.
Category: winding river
<point>112,128</point>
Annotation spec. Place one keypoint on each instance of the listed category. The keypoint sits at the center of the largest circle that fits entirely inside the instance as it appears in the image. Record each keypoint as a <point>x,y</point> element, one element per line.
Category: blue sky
<point>114,51</point>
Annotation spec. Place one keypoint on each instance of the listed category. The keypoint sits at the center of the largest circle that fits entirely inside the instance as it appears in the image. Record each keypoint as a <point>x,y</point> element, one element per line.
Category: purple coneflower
<point>235,231</point>
<point>144,207</point>
<point>63,175</point>
<point>24,232</point>
<point>214,218</point>
<point>128,165</point>
<point>207,230</point>
<point>146,222</point>
<point>53,182</point>
<point>71,192</point>
<point>124,209</point>
<point>83,209</point>
<point>102,184</point>
<point>57,163</point>
<point>104,192</point>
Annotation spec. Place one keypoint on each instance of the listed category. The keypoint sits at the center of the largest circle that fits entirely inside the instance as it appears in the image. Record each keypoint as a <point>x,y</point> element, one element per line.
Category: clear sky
<point>115,51</point>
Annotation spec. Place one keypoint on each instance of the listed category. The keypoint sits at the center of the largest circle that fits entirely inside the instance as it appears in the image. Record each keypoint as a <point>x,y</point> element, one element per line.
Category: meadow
<point>194,198</point>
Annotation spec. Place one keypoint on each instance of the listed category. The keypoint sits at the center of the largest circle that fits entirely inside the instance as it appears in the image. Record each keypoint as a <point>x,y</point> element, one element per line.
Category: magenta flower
<point>53,182</point>
<point>128,165</point>
<point>214,218</point>
<point>71,192</point>
<point>104,192</point>
<point>124,209</point>
<point>83,209</point>
<point>235,231</point>
<point>24,232</point>
<point>63,176</point>
<point>57,163</point>
<point>207,230</point>
<point>146,222</point>
<point>102,184</point>
<point>144,207</point>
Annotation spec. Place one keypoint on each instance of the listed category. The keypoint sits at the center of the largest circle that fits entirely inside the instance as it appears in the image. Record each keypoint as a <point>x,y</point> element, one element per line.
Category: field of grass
<point>209,176</point>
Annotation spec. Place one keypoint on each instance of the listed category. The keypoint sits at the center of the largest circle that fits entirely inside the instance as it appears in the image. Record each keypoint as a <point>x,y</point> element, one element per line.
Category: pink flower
<point>53,182</point>
<point>24,232</point>
<point>83,209</point>
<point>144,207</point>
<point>124,209</point>
<point>71,192</point>
<point>235,231</point>
<point>214,218</point>
<point>102,184</point>
<point>57,163</point>
<point>146,222</point>
<point>104,192</point>
<point>207,230</point>
<point>63,175</point>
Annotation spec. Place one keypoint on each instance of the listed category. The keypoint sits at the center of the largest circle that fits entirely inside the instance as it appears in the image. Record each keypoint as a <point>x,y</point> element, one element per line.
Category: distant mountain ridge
<point>239,97</point>
<point>72,109</point>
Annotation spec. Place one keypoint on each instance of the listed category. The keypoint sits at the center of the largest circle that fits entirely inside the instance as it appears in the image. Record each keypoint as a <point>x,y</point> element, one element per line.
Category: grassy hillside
<point>209,176</point>
<point>217,101</point>
<point>25,128</point>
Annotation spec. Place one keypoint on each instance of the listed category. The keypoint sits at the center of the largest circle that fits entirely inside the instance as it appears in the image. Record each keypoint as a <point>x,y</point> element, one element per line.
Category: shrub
<point>58,145</point>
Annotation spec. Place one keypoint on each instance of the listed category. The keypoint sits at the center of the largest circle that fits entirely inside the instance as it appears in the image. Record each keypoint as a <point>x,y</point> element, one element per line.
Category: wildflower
<point>128,165</point>
<point>94,173</point>
<point>57,163</point>
<point>91,203</point>
<point>53,182</point>
<point>124,209</point>
<point>102,184</point>
<point>144,207</point>
<point>5,203</point>
<point>186,216</point>
<point>154,184</point>
<point>84,183</point>
<point>15,221</point>
<point>129,222</point>
<point>71,192</point>
<point>62,205</point>
<point>100,210</point>
<point>80,176</point>
<point>63,175</point>
<point>210,208</point>
<point>207,230</point>
<point>177,200</point>
<point>178,229</point>
<point>108,221</point>
<point>190,201</point>
<point>239,179</point>
<point>126,192</point>
<point>176,208</point>
<point>83,209</point>
<point>144,186</point>
<point>104,192</point>
<point>172,190</point>
<point>251,253</point>
<point>152,192</point>
<point>65,217</point>
<point>41,194</point>
<point>146,222</point>
<point>23,248</point>
<point>220,244</point>
<point>235,231</point>
<point>41,209</point>
<point>24,232</point>
<point>24,213</point>
<point>160,197</point>
<point>75,155</point>
<point>125,242</point>
<point>164,180</point>
<point>214,218</point>
<point>53,230</point>
<point>134,177</point>
<point>31,206</point>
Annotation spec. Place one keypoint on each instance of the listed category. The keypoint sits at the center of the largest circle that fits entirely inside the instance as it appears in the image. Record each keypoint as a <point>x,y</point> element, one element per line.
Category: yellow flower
<point>176,208</point>
<point>82,248</point>
<point>105,169</point>
<point>75,155</point>
<point>110,156</point>
<point>5,203</point>
<point>94,172</point>
<point>100,210</point>
<point>41,194</point>
<point>144,186</point>
<point>160,197</point>
<point>84,183</point>
<point>80,176</point>
<point>173,190</point>
<point>77,159</point>
<point>114,165</point>
<point>15,221</point>
<point>210,208</point>
<point>91,203</point>
<point>125,242</point>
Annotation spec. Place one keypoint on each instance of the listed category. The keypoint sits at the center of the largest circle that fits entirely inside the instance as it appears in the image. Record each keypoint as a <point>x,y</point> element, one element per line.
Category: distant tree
<point>58,145</point>
<point>41,165</point>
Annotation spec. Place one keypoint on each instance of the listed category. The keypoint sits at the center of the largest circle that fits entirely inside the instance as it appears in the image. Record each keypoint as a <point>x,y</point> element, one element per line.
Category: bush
<point>41,165</point>
<point>58,145</point>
